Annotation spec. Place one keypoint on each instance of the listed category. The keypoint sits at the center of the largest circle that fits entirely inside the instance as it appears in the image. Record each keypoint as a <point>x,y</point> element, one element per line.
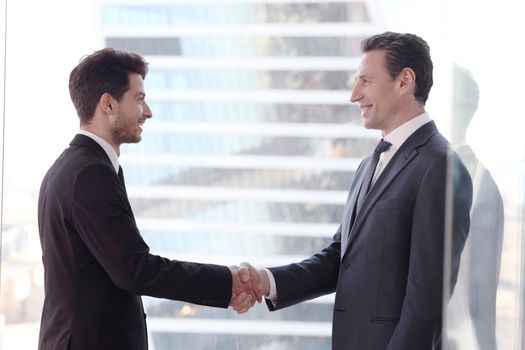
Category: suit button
<point>345,265</point>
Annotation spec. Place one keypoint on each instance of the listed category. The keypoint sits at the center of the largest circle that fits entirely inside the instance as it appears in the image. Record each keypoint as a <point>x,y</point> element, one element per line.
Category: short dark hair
<point>405,51</point>
<point>104,71</point>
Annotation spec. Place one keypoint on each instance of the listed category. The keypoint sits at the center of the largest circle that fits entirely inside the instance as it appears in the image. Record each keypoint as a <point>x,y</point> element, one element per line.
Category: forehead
<point>372,63</point>
<point>136,83</point>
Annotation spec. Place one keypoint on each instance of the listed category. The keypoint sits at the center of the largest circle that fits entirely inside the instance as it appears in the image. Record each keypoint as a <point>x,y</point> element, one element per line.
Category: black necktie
<point>121,175</point>
<point>381,147</point>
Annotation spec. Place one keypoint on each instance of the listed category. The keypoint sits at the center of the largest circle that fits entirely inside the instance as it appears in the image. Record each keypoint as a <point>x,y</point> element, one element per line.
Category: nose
<point>147,111</point>
<point>356,94</point>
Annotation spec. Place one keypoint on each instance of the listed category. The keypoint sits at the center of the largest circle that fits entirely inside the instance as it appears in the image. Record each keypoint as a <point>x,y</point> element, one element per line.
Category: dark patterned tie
<point>381,147</point>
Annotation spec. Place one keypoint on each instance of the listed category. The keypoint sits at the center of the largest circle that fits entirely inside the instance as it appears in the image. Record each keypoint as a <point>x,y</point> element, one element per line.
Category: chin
<point>133,140</point>
<point>367,124</point>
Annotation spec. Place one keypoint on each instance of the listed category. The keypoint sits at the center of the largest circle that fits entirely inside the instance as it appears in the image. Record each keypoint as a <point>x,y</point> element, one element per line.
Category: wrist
<point>265,282</point>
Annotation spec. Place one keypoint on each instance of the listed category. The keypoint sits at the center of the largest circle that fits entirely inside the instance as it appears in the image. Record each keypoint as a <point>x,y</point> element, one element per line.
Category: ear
<point>107,103</point>
<point>407,79</point>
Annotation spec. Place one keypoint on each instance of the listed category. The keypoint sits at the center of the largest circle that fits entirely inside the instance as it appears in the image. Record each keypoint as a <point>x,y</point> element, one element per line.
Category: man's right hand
<point>249,286</point>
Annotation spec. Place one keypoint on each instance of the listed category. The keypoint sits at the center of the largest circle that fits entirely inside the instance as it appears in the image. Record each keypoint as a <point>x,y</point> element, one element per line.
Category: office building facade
<point>250,152</point>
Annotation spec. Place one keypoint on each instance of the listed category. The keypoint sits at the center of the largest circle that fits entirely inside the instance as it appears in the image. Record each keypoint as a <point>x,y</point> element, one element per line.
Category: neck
<point>402,117</point>
<point>102,133</point>
<point>412,111</point>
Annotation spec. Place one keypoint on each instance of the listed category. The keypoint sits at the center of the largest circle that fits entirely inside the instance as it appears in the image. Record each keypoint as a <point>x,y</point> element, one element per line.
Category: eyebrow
<point>355,77</point>
<point>140,94</point>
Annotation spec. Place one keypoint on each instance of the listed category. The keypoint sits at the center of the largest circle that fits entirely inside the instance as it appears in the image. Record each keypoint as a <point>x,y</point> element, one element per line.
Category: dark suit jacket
<point>96,263</point>
<point>387,266</point>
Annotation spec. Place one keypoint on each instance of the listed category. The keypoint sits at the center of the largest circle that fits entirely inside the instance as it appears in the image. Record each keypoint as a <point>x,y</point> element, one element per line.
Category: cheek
<point>131,115</point>
<point>384,99</point>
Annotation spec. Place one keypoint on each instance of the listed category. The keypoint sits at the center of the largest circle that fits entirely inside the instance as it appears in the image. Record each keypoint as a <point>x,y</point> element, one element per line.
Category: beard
<point>125,131</point>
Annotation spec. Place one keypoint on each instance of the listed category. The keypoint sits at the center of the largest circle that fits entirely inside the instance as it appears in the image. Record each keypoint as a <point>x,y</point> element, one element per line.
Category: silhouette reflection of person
<point>475,293</point>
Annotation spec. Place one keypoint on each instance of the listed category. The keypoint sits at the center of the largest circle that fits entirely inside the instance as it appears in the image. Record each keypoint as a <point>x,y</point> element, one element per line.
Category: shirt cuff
<point>273,288</point>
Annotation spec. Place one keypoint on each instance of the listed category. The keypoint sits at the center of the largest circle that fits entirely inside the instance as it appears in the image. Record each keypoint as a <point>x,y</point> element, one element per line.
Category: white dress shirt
<point>110,151</point>
<point>396,137</point>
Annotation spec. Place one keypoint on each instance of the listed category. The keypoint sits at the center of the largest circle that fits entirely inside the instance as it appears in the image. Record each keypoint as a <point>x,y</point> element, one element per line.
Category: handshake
<point>248,286</point>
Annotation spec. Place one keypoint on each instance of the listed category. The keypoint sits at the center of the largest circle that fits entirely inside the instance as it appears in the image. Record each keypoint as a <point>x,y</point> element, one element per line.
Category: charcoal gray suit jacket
<point>386,264</point>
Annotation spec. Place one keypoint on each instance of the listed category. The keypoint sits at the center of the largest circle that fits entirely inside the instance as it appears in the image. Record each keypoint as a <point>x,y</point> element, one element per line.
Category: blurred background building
<point>252,147</point>
<point>251,150</point>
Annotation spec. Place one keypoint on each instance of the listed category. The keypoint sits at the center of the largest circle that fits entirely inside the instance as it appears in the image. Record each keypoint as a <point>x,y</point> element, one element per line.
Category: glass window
<point>249,80</point>
<point>228,111</point>
<point>239,46</point>
<point>228,13</point>
<point>253,163</point>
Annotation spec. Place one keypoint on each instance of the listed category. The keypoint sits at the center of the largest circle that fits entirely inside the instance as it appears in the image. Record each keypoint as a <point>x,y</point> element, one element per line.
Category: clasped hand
<point>248,286</point>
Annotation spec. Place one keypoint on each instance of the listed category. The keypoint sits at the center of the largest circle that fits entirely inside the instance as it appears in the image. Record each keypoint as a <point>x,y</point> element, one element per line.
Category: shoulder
<point>73,164</point>
<point>91,174</point>
<point>436,145</point>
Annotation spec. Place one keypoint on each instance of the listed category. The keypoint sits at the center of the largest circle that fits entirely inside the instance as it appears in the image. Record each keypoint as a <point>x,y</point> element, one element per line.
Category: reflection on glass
<point>472,309</point>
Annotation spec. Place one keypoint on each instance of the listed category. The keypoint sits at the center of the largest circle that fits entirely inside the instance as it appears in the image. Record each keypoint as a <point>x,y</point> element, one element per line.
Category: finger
<point>240,301</point>
<point>258,298</point>
<point>241,311</point>
<point>256,294</point>
<point>237,299</point>
<point>243,303</point>
<point>243,308</point>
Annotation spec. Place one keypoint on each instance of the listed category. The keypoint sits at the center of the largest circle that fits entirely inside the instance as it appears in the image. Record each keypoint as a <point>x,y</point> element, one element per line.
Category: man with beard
<point>96,264</point>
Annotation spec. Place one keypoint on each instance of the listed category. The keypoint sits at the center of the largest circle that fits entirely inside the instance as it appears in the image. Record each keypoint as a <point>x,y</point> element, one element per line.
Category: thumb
<point>244,273</point>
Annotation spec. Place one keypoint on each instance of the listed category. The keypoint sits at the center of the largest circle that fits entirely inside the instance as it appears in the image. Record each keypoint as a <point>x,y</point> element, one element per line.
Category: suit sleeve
<point>308,279</point>
<point>421,315</point>
<point>104,221</point>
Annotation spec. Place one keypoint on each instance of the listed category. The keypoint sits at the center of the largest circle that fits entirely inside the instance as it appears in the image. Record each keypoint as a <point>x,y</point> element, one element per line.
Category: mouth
<point>365,108</point>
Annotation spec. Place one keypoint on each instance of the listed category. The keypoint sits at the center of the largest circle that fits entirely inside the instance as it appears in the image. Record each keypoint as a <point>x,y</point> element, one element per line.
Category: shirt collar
<point>110,151</point>
<point>400,134</point>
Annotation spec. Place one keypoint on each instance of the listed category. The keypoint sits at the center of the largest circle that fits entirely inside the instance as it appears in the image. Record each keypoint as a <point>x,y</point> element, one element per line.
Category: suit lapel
<point>401,159</point>
<point>348,212</point>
